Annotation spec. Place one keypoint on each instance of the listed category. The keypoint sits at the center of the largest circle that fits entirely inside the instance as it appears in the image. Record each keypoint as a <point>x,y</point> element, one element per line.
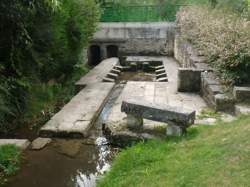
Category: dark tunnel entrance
<point>112,51</point>
<point>94,55</point>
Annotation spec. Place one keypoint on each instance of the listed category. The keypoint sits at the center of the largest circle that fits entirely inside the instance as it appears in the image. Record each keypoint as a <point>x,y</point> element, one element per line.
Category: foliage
<point>208,156</point>
<point>222,36</point>
<point>9,161</point>
<point>43,41</point>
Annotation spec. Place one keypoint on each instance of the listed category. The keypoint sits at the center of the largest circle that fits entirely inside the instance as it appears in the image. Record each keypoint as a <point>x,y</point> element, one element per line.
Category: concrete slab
<point>96,74</point>
<point>156,92</point>
<point>76,118</point>
<point>20,144</point>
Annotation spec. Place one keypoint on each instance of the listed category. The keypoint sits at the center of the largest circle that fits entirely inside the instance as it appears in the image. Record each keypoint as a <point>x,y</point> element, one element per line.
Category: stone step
<point>112,76</point>
<point>160,71</point>
<point>116,71</point>
<point>162,75</point>
<point>242,109</point>
<point>242,94</point>
<point>120,68</point>
<point>146,67</point>
<point>159,67</point>
<point>164,79</point>
<point>106,79</point>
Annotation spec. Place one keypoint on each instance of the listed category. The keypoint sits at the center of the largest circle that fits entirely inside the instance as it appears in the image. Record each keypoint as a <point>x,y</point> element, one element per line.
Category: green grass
<point>9,161</point>
<point>207,156</point>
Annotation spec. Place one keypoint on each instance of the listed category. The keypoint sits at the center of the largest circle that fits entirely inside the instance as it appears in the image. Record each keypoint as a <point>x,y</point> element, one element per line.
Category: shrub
<point>222,36</point>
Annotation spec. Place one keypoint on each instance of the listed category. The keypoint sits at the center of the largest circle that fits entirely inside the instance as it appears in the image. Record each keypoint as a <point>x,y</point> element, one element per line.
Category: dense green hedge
<point>40,41</point>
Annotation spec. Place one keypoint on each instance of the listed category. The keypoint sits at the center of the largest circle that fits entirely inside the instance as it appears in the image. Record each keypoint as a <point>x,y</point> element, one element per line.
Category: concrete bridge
<point>121,39</point>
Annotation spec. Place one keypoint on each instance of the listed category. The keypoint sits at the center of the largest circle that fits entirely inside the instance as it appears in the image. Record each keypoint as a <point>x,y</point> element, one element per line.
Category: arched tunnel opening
<point>112,51</point>
<point>94,55</point>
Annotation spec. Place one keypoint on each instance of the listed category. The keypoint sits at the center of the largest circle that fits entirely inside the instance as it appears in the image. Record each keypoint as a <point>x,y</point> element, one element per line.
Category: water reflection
<point>102,165</point>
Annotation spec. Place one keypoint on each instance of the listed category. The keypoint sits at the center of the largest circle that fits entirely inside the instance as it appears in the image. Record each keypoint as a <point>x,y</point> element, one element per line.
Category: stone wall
<point>136,38</point>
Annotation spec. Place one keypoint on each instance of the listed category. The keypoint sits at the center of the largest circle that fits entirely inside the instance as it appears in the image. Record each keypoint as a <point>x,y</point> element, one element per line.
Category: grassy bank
<point>9,162</point>
<point>208,156</point>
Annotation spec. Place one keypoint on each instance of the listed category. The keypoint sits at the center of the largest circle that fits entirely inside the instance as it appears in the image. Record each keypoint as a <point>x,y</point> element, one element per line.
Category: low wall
<point>136,38</point>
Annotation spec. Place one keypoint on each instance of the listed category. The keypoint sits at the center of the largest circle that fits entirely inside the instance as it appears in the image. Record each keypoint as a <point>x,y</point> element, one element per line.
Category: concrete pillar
<point>134,122</point>
<point>174,130</point>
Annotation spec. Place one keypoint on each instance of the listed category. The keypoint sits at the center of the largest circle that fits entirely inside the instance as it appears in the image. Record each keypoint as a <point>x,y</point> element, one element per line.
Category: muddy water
<point>70,163</point>
<point>73,163</point>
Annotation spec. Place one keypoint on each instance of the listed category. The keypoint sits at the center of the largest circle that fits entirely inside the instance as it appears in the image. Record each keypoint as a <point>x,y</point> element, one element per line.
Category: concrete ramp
<point>76,118</point>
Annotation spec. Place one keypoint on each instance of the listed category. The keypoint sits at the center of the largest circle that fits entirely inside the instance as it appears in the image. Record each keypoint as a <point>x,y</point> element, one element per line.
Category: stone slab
<point>20,144</point>
<point>106,79</point>
<point>158,112</point>
<point>224,103</point>
<point>162,75</point>
<point>112,75</point>
<point>163,79</point>
<point>242,109</point>
<point>75,119</point>
<point>40,143</point>
<point>97,73</point>
<point>242,93</point>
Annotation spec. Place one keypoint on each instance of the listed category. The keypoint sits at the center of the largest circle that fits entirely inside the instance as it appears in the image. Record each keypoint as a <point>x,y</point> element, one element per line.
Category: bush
<point>222,36</point>
<point>41,41</point>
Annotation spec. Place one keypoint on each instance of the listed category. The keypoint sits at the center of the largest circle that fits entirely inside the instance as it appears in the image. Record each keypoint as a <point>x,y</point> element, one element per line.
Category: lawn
<point>207,156</point>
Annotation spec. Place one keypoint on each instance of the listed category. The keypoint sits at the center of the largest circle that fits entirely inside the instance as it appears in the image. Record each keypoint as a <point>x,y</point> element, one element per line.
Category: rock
<point>134,122</point>
<point>206,121</point>
<point>189,80</point>
<point>174,130</point>
<point>40,143</point>
<point>21,144</point>
<point>242,94</point>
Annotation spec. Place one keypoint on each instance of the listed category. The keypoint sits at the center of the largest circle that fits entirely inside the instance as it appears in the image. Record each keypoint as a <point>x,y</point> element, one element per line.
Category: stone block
<point>242,109</point>
<point>112,76</point>
<point>21,144</point>
<point>116,71</point>
<point>189,80</point>
<point>215,89</point>
<point>162,75</point>
<point>242,94</point>
<point>134,121</point>
<point>160,71</point>
<point>108,80</point>
<point>174,130</point>
<point>164,79</point>
<point>157,112</point>
<point>120,68</point>
<point>159,67</point>
<point>40,143</point>
<point>224,103</point>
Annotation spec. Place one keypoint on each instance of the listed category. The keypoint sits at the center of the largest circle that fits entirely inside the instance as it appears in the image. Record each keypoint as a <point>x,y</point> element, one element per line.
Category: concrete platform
<point>76,118</point>
<point>20,144</point>
<point>97,74</point>
<point>155,92</point>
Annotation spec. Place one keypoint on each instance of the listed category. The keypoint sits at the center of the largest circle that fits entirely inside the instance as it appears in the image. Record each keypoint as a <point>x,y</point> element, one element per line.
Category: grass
<point>207,156</point>
<point>9,161</point>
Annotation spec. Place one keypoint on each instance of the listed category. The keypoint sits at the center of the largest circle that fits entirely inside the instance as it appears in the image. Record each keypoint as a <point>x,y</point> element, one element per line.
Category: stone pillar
<point>174,130</point>
<point>134,122</point>
<point>103,52</point>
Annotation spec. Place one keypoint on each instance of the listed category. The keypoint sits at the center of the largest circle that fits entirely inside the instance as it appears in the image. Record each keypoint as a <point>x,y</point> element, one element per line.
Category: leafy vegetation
<point>207,156</point>
<point>222,36</point>
<point>9,161</point>
<point>42,45</point>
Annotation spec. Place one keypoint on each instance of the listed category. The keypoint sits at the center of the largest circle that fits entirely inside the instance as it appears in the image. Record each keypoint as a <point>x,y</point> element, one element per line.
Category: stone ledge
<point>20,144</point>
